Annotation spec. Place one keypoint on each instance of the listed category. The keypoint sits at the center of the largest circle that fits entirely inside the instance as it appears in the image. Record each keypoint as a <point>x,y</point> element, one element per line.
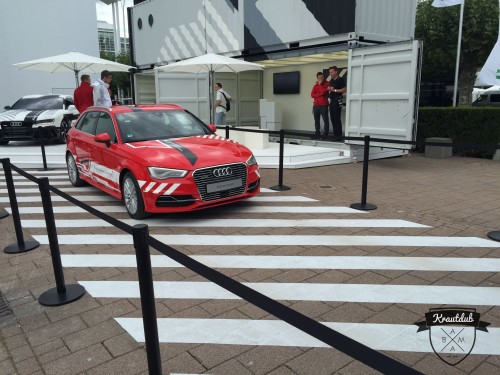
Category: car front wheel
<point>4,142</point>
<point>63,131</point>
<point>132,197</point>
<point>73,174</point>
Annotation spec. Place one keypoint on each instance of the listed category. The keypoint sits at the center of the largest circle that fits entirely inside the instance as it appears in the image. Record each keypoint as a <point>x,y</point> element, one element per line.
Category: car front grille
<point>207,178</point>
<point>17,128</point>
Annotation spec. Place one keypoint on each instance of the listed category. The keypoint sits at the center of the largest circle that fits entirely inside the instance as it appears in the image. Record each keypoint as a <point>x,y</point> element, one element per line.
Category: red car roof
<point>144,107</point>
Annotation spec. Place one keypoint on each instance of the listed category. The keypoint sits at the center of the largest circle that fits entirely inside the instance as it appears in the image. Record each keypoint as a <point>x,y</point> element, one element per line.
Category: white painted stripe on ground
<point>362,293</point>
<point>237,223</point>
<point>224,209</point>
<point>104,198</point>
<point>37,172</point>
<point>295,262</point>
<point>31,183</point>
<point>279,240</point>
<point>55,177</point>
<point>387,337</point>
<point>266,190</point>
<point>57,198</point>
<point>87,189</point>
<point>284,198</point>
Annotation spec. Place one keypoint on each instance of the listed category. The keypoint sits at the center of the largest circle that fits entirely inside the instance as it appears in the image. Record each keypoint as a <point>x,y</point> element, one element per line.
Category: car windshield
<point>43,102</point>
<point>160,124</point>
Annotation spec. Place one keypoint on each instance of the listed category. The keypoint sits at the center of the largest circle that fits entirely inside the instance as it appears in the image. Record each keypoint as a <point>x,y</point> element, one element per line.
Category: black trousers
<point>335,111</point>
<point>323,111</point>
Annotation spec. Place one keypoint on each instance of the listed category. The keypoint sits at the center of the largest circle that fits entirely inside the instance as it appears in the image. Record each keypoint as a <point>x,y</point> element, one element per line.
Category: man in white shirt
<point>101,90</point>
<point>220,105</point>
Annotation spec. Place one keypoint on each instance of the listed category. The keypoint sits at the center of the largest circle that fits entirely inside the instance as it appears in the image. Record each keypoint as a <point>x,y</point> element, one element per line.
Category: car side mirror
<point>72,109</point>
<point>7,107</point>
<point>212,127</point>
<point>103,138</point>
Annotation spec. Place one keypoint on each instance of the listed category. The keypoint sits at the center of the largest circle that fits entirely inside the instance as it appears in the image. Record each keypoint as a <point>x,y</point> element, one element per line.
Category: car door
<point>83,140</point>
<point>105,161</point>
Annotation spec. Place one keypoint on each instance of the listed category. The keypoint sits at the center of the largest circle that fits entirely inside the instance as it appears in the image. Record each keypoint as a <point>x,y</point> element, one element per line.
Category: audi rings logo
<point>222,172</point>
<point>16,124</point>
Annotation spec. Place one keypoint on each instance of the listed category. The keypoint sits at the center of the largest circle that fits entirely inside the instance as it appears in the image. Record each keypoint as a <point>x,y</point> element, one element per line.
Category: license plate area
<point>224,185</point>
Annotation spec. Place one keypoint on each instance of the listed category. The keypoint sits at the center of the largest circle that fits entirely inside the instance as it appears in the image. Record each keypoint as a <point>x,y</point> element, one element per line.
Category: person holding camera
<point>336,89</point>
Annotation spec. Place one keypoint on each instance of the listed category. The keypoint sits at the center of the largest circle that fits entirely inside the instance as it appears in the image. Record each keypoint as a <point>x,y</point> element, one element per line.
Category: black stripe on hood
<point>188,154</point>
<point>32,116</point>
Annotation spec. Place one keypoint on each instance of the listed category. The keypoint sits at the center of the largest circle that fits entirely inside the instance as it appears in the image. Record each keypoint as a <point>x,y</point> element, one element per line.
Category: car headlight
<point>164,173</point>
<point>251,161</point>
<point>45,122</point>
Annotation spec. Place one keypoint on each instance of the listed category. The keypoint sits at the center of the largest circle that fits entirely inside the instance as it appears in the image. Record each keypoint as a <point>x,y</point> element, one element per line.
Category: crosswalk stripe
<point>104,198</point>
<point>237,223</point>
<point>362,293</point>
<point>31,183</point>
<point>279,240</point>
<point>55,177</point>
<point>295,262</point>
<point>386,337</point>
<point>37,172</point>
<point>87,189</point>
<point>223,209</point>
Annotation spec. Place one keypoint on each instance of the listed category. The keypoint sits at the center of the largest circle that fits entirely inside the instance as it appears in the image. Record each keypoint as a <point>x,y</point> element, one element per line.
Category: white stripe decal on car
<point>172,189</point>
<point>160,188</point>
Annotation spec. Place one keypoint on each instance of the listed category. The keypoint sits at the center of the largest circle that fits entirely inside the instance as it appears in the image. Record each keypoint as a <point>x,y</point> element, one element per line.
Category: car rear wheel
<point>3,143</point>
<point>73,174</point>
<point>132,197</point>
<point>63,131</point>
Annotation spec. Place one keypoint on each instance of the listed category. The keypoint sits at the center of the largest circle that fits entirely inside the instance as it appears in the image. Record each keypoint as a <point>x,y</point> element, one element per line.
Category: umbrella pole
<point>210,95</point>
<point>76,77</point>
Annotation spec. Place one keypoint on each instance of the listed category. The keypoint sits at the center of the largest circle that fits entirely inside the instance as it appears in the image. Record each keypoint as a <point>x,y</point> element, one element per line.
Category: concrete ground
<point>456,200</point>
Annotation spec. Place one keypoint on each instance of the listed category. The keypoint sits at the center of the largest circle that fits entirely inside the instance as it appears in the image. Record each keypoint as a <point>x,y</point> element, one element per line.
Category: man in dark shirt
<point>84,94</point>
<point>336,89</point>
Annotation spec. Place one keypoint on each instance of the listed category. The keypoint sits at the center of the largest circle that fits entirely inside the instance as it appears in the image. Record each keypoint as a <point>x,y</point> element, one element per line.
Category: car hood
<point>190,152</point>
<point>28,115</point>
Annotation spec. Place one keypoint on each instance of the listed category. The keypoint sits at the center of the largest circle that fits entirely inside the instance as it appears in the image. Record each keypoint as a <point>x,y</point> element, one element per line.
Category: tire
<point>132,197</point>
<point>63,131</point>
<point>4,142</point>
<point>73,174</point>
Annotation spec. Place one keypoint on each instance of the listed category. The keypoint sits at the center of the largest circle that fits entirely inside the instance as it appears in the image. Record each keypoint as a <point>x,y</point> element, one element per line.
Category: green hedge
<point>477,125</point>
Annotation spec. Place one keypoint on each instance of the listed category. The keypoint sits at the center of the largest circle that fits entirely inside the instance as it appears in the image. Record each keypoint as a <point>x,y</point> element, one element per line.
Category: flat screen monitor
<point>286,83</point>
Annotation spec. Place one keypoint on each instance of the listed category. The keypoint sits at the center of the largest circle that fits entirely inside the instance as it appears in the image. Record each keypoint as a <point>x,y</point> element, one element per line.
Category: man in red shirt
<point>84,94</point>
<point>319,93</point>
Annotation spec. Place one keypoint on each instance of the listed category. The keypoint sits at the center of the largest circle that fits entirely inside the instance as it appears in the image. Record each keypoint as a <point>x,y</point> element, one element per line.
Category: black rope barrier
<point>62,294</point>
<point>21,245</point>
<point>146,287</point>
<point>364,189</point>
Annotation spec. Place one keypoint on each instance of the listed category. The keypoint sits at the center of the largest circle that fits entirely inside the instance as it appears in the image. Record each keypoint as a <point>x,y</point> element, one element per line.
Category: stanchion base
<point>3,214</point>
<point>52,298</point>
<point>364,207</point>
<point>280,188</point>
<point>494,235</point>
<point>15,248</point>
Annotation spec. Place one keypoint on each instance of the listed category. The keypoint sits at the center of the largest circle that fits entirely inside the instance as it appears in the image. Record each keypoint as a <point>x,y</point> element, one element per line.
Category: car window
<point>105,125</point>
<point>160,124</point>
<point>87,122</point>
<point>43,102</point>
<point>495,98</point>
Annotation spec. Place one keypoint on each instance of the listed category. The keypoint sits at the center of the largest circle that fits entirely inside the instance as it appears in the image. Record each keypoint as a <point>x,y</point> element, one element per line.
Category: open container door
<point>382,92</point>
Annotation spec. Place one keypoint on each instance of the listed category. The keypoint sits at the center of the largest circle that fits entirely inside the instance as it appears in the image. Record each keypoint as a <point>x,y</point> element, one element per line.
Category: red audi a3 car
<point>158,158</point>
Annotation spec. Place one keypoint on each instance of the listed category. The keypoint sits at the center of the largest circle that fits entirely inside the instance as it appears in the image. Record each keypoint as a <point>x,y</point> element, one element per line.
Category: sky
<point>104,12</point>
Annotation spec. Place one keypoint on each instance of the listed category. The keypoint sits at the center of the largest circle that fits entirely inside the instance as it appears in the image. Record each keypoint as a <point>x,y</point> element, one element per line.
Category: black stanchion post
<point>363,205</point>
<point>61,294</point>
<point>280,186</point>
<point>21,245</point>
<point>42,145</point>
<point>141,234</point>
<point>227,131</point>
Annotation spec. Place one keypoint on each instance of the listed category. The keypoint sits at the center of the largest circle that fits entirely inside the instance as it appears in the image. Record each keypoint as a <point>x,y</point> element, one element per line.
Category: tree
<point>121,80</point>
<point>438,28</point>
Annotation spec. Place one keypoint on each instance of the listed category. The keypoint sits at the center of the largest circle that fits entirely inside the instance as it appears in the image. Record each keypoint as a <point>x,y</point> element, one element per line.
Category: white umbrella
<point>210,63</point>
<point>74,62</point>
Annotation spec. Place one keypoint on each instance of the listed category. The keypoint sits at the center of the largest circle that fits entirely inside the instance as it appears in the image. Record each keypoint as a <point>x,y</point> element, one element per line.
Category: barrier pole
<point>363,205</point>
<point>227,131</point>
<point>21,245</point>
<point>140,233</point>
<point>280,186</point>
<point>41,133</point>
<point>61,294</point>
